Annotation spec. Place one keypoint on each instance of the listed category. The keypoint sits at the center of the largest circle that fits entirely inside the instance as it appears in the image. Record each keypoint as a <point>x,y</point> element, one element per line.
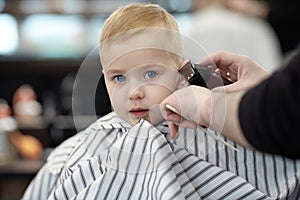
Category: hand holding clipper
<point>202,76</point>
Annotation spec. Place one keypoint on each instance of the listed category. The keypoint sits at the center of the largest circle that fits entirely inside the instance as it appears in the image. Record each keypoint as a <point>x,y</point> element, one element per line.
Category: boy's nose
<point>137,93</point>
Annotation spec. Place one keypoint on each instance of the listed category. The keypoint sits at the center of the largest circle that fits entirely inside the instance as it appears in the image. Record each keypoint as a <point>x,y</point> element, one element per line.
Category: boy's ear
<point>182,83</point>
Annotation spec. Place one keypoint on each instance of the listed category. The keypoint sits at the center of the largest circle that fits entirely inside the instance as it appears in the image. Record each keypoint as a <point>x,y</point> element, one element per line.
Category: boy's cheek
<point>115,92</point>
<point>169,81</point>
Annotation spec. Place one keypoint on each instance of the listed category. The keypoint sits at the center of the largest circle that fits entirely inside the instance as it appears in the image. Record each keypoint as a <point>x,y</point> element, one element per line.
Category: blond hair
<point>136,18</point>
<point>137,15</point>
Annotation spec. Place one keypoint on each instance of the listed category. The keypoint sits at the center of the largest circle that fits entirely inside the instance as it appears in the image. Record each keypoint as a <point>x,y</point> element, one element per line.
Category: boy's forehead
<point>143,57</point>
<point>126,43</point>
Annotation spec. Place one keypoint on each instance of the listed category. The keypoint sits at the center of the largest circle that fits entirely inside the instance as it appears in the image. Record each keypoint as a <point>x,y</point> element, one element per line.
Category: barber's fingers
<point>225,64</point>
<point>237,66</point>
<point>241,70</point>
<point>173,130</point>
<point>175,122</point>
<point>180,121</point>
<point>221,60</point>
<point>231,65</point>
<point>192,103</point>
<point>176,100</point>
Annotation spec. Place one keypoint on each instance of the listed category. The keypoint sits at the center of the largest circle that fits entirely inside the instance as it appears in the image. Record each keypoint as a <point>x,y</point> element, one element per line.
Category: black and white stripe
<point>111,160</point>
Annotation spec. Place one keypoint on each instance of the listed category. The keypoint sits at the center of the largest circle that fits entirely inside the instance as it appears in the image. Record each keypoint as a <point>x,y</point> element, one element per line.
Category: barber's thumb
<point>171,100</point>
<point>173,130</point>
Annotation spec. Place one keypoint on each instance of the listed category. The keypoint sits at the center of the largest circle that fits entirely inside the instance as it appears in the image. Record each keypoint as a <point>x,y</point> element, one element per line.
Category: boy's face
<point>138,81</point>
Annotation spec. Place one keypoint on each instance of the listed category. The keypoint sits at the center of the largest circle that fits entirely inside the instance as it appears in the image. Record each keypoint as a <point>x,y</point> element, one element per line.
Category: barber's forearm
<point>229,124</point>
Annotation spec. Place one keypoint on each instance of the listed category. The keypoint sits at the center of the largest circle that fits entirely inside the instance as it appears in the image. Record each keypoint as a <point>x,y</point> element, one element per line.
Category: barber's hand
<point>193,103</point>
<point>216,108</point>
<point>243,71</point>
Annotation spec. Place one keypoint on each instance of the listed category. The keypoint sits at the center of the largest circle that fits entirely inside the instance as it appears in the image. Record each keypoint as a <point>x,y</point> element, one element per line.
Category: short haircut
<point>133,18</point>
<point>137,15</point>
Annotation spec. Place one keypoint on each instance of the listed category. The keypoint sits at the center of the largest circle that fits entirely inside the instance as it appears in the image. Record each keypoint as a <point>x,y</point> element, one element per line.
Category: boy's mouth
<point>139,112</point>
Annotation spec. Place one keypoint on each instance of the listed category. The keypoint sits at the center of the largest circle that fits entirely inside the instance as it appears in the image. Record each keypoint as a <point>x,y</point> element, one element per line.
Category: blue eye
<point>119,78</point>
<point>150,74</point>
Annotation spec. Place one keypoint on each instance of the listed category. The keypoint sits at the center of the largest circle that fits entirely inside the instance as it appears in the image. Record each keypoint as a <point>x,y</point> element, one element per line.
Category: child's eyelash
<point>115,78</point>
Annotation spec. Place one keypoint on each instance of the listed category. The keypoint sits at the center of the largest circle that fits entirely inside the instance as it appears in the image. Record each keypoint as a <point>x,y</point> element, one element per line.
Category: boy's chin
<point>154,120</point>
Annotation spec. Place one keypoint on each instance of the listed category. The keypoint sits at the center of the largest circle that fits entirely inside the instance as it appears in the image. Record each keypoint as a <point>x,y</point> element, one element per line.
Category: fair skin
<point>138,81</point>
<point>244,73</point>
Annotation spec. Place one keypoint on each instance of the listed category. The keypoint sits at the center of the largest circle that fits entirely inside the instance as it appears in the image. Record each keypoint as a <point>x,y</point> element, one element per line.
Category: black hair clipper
<point>202,76</point>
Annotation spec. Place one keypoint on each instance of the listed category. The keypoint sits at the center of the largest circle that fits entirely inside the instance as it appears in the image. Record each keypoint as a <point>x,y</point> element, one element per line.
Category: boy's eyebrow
<point>114,71</point>
<point>123,71</point>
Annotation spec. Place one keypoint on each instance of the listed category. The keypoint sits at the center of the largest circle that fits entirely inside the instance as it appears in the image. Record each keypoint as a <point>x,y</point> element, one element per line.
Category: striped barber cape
<point>112,160</point>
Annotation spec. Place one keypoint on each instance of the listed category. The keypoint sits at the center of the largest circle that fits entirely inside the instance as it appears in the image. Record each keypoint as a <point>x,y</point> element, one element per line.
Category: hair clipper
<point>202,76</point>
